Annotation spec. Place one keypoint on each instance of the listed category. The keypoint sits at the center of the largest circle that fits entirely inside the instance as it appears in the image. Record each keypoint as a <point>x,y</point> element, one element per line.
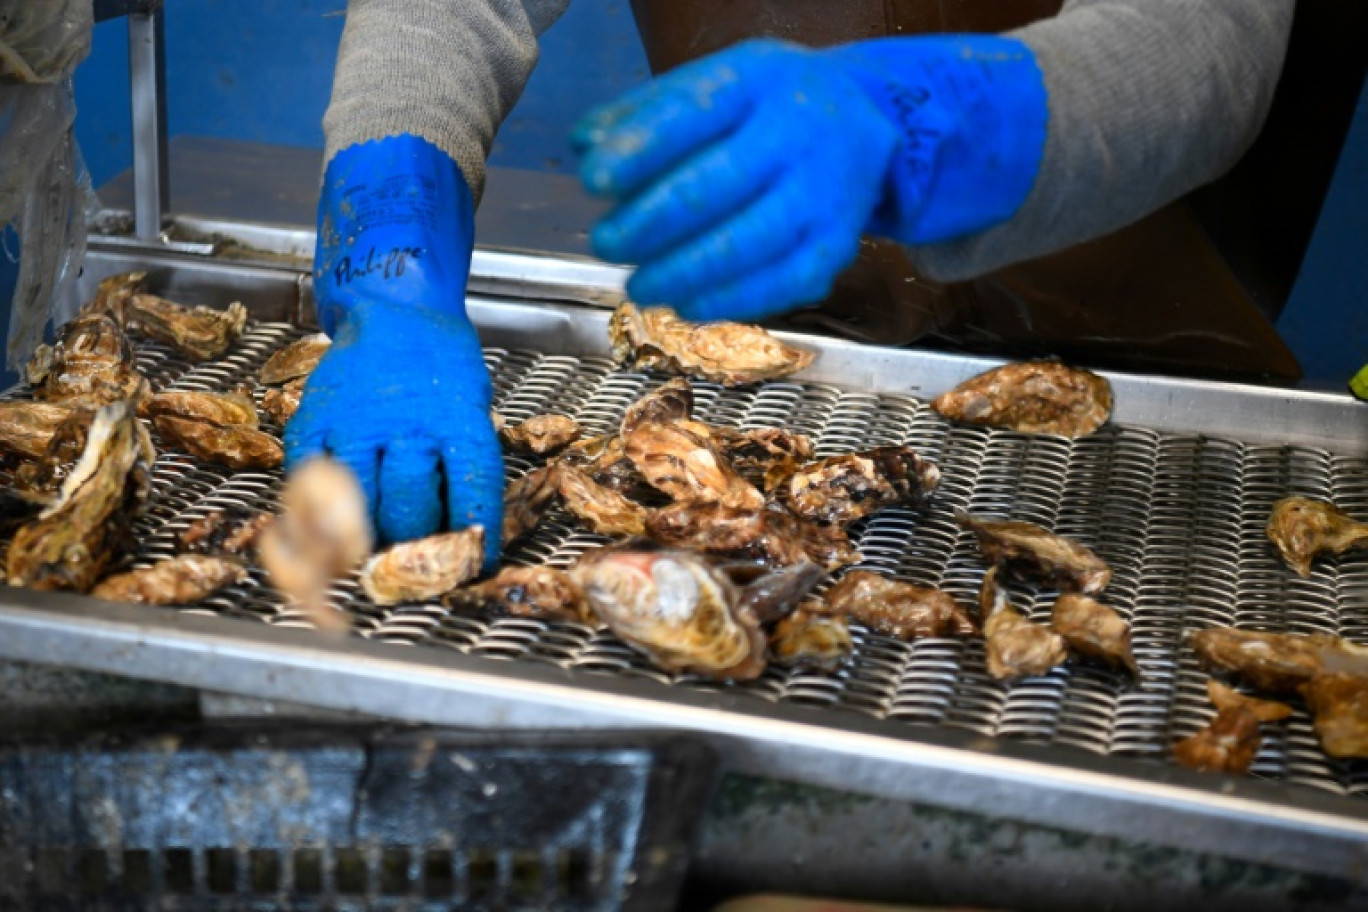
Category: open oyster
<point>601,509</point>
<point>1094,630</point>
<point>1028,552</point>
<point>1303,528</point>
<point>1280,662</point>
<point>113,294</point>
<point>542,434</point>
<point>898,609</point>
<point>235,446</point>
<point>222,409</point>
<point>180,580</point>
<point>844,488</point>
<point>808,638</point>
<point>527,499</point>
<point>1017,647</point>
<point>732,354</point>
<point>1229,743</point>
<point>686,466</point>
<point>773,537</point>
<point>1339,704</point>
<point>69,545</point>
<point>416,571</point>
<point>671,401</point>
<point>298,359</point>
<point>280,403</point>
<point>232,530</point>
<point>26,427</point>
<point>198,333</point>
<point>675,608</point>
<point>1034,397</point>
<point>532,592</point>
<point>91,364</point>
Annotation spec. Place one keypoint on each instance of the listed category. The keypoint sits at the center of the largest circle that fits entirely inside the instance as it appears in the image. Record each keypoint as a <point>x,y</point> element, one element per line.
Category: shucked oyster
<point>1280,662</point>
<point>675,608</point>
<point>1035,397</point>
<point>845,488</point>
<point>232,530</point>
<point>527,499</point>
<point>542,434</point>
<point>1339,703</point>
<point>601,509</point>
<point>281,404</point>
<point>807,638</point>
<point>74,539</point>
<point>1303,528</point>
<point>687,467</point>
<point>26,427</point>
<point>1094,630</point>
<point>671,401</point>
<point>180,580</point>
<point>1229,743</point>
<point>91,364</point>
<point>533,592</point>
<point>1017,648</point>
<point>198,333</point>
<point>419,570</point>
<point>235,446</point>
<point>732,354</point>
<point>773,537</point>
<point>298,359</point>
<point>1029,552</point>
<point>897,609</point>
<point>222,409</point>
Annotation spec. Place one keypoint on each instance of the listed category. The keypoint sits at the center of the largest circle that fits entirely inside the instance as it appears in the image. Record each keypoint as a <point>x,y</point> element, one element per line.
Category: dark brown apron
<point>1190,289</point>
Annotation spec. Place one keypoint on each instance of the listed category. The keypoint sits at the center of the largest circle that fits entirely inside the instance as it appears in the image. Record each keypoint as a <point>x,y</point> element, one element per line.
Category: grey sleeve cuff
<point>446,70</point>
<point>1149,99</point>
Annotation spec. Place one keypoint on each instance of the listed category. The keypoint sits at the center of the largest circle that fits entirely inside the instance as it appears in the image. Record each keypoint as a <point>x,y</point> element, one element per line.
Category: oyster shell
<point>198,333</point>
<point>601,509</point>
<point>671,401</point>
<point>180,580</point>
<point>281,403</point>
<point>1228,744</point>
<point>1280,662</point>
<point>298,359</point>
<point>91,364</point>
<point>542,434</point>
<point>676,609</point>
<point>844,488</point>
<point>221,409</point>
<point>69,545</point>
<point>686,466</point>
<point>1093,629</point>
<point>731,354</point>
<point>1303,528</point>
<point>419,570</point>
<point>1017,647</point>
<point>1339,704</point>
<point>1033,397</point>
<point>26,427</point>
<point>1028,552</point>
<point>897,609</point>
<point>532,592</point>
<point>235,446</point>
<point>770,536</point>
<point>527,499</point>
<point>232,530</point>
<point>807,638</point>
<point>113,294</point>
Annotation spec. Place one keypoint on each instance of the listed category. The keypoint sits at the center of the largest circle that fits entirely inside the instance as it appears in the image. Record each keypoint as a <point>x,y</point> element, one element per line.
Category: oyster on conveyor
<point>1280,662</point>
<point>232,530</point>
<point>69,545</point>
<point>1303,528</point>
<point>1030,553</point>
<point>600,508</point>
<point>113,294</point>
<point>809,638</point>
<point>26,427</point>
<point>686,466</point>
<point>773,537</point>
<point>1017,647</point>
<point>540,592</point>
<point>280,403</point>
<point>298,359</point>
<point>91,364</point>
<point>674,607</point>
<point>221,409</point>
<point>528,499</point>
<point>1094,629</point>
<point>731,354</point>
<point>844,488</point>
<point>1339,705</point>
<point>1034,397</point>
<point>897,609</point>
<point>669,402</point>
<point>1228,744</point>
<point>198,333</point>
<point>416,571</point>
<point>182,580</point>
<point>235,446</point>
<point>541,434</point>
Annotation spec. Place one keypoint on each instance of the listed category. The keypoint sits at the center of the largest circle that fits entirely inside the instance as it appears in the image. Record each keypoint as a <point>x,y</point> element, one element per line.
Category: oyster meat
<point>180,580</point>
<point>811,639</point>
<point>1339,705</point>
<point>541,434</point>
<point>674,607</point>
<point>731,354</point>
<point>686,466</point>
<point>527,499</point>
<point>844,488</point>
<point>531,592</point>
<point>1228,744</point>
<point>113,294</point>
<point>1303,528</point>
<point>235,446</point>
<point>198,333</point>
<point>772,537</point>
<point>1094,629</point>
<point>1030,553</point>
<point>670,402</point>
<point>26,427</point>
<point>1017,647</point>
<point>1034,397</point>
<point>600,508</point>
<point>897,609</point>
<point>419,570</point>
<point>221,409</point>
<point>91,364</point>
<point>1279,662</point>
<point>280,403</point>
<point>232,531</point>
<point>71,542</point>
<point>298,359</point>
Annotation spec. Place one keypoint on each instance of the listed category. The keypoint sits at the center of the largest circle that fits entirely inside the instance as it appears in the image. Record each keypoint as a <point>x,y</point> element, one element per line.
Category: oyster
<point>1034,397</point>
<point>26,427</point>
<point>235,446</point>
<point>281,403</point>
<point>232,530</point>
<point>1094,630</point>
<point>1280,662</point>
<point>807,638</point>
<point>45,475</point>
<point>601,509</point>
<point>731,354</point>
<point>527,499</point>
<point>532,592</point>
<point>772,537</point>
<point>221,409</point>
<point>671,401</point>
<point>1017,648</point>
<point>1339,704</point>
<point>1028,552</point>
<point>845,488</point>
<point>180,580</point>
<point>298,359</point>
<point>679,611</point>
<point>1303,528</point>
<point>542,434</point>
<point>113,294</point>
<point>83,530</point>
<point>1228,744</point>
<point>419,570</point>
<point>897,609</point>
<point>198,333</point>
<point>91,364</point>
<point>686,466</point>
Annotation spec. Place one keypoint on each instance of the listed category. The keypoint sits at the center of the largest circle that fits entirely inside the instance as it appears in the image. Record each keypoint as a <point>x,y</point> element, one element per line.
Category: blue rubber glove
<point>746,179</point>
<point>403,395</point>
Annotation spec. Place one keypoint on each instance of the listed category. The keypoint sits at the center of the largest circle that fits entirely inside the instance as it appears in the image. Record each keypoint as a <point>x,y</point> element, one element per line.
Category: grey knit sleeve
<point>1149,99</point>
<point>446,70</point>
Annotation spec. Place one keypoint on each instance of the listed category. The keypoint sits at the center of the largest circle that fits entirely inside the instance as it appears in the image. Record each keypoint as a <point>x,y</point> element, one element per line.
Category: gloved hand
<point>746,178</point>
<point>403,395</point>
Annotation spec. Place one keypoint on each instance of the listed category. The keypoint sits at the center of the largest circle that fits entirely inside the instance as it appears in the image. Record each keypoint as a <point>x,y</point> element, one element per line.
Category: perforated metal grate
<point>1180,520</point>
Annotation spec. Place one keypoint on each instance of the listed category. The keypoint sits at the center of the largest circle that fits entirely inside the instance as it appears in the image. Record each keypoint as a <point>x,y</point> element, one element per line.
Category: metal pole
<point>147,78</point>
